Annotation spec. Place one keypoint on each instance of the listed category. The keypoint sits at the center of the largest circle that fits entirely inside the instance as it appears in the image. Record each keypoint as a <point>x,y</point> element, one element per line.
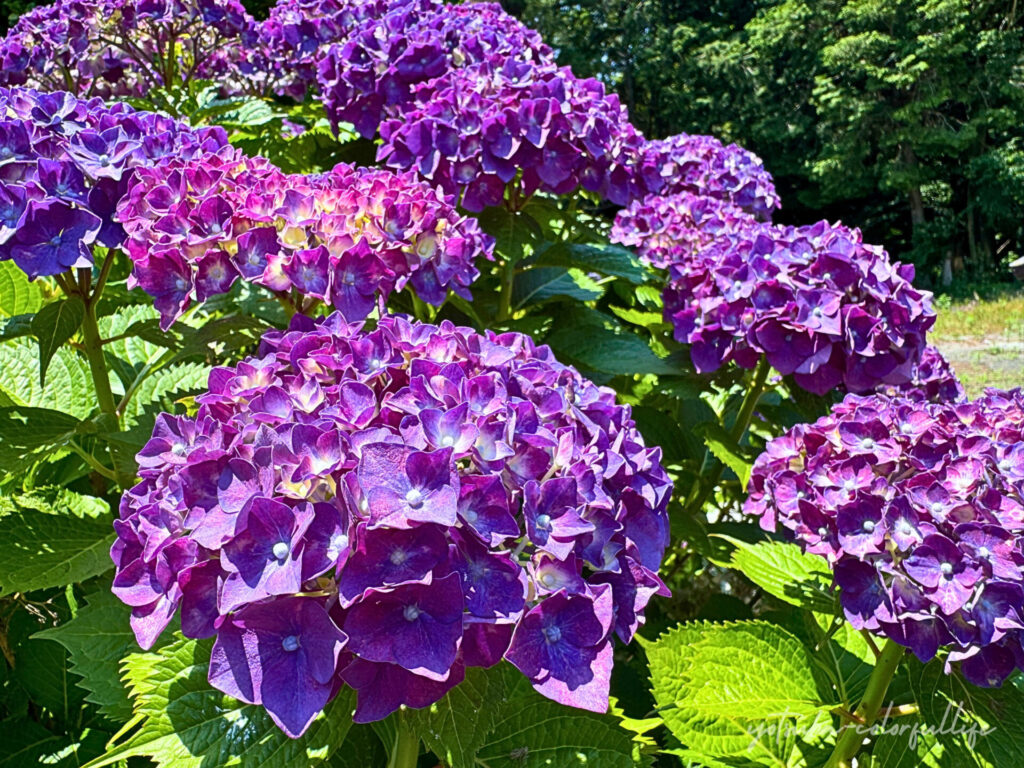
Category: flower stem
<point>851,736</point>
<point>702,489</point>
<point>92,343</point>
<point>93,347</point>
<point>406,751</point>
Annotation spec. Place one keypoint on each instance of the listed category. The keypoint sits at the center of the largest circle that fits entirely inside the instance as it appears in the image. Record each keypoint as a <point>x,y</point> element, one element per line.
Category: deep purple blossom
<point>384,508</point>
<point>476,130</point>
<point>817,302</point>
<point>706,167</point>
<point>371,70</point>
<point>920,511</point>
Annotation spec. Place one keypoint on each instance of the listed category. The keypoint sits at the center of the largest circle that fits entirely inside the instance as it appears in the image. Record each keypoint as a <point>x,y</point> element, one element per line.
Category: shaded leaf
<point>53,325</point>
<point>97,639</point>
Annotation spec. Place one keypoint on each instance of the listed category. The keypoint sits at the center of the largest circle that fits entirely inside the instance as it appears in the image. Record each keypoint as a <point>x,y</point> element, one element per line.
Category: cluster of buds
<point>65,164</point>
<point>387,507</point>
<point>919,509</point>
<point>348,237</point>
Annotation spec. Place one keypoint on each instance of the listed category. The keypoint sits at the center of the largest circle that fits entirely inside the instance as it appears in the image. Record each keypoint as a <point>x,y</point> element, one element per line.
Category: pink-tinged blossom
<point>349,237</point>
<point>919,509</point>
<point>816,301</point>
<point>341,510</point>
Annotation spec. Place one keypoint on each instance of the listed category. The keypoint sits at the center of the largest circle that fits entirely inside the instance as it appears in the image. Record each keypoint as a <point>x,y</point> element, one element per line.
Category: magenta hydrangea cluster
<point>121,48</point>
<point>372,73</point>
<point>919,508</point>
<point>384,508</point>
<point>65,163</point>
<point>703,165</point>
<point>815,301</point>
<point>348,237</point>
<point>478,130</point>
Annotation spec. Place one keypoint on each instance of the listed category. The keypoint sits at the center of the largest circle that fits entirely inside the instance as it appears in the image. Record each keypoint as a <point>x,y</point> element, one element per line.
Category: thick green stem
<point>703,487</point>
<point>93,347</point>
<point>406,751</point>
<point>852,735</point>
<point>508,276</point>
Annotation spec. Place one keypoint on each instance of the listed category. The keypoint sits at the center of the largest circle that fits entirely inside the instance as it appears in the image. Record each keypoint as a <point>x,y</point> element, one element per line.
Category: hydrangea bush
<point>427,410</point>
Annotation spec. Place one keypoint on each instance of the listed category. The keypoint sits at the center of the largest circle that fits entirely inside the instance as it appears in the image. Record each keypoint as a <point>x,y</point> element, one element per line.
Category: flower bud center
<point>946,569</point>
<point>543,521</point>
<point>414,498</point>
<point>398,556</point>
<point>470,516</point>
<point>281,550</point>
<point>552,634</point>
<point>984,552</point>
<point>411,612</point>
<point>869,526</point>
<point>290,643</point>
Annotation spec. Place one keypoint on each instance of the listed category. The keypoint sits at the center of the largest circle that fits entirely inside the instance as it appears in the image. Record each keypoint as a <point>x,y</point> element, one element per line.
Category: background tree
<point>903,118</point>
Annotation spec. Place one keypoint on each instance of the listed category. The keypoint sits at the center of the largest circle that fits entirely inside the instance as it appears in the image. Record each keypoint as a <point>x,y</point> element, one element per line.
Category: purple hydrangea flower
<point>66,163</point>
<point>371,70</point>
<point>477,129</point>
<point>919,507</point>
<point>703,166</point>
<point>349,237</point>
<point>123,48</point>
<point>817,302</point>
<point>385,507</point>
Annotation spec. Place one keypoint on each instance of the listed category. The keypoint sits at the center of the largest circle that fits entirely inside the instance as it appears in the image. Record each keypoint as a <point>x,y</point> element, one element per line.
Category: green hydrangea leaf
<point>52,539</point>
<point>785,571</point>
<point>68,384</point>
<point>97,639</point>
<point>18,296</point>
<point>740,690</point>
<point>531,731</point>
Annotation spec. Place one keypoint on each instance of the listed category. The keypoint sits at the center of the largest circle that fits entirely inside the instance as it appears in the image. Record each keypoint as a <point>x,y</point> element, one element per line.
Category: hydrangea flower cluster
<point>372,73</point>
<point>478,129</point>
<point>705,166</point>
<point>816,301</point>
<point>295,32</point>
<point>933,381</point>
<point>384,508</point>
<point>64,165</point>
<point>119,48</point>
<point>920,510</point>
<point>348,237</point>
